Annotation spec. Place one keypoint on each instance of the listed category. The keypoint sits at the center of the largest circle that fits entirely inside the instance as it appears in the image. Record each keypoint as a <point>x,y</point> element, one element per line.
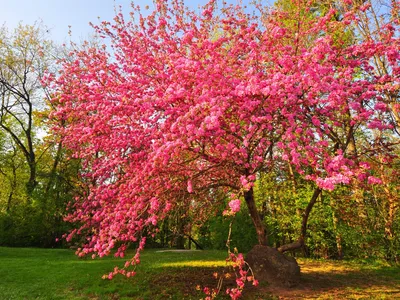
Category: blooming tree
<point>187,107</point>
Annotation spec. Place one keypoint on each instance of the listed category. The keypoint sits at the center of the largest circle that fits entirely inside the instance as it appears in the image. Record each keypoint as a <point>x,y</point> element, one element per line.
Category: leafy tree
<point>177,113</point>
<point>34,190</point>
<point>24,57</point>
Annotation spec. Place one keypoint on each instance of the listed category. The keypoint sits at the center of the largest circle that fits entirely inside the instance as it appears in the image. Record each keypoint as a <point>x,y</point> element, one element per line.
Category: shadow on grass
<point>336,280</point>
<point>189,282</point>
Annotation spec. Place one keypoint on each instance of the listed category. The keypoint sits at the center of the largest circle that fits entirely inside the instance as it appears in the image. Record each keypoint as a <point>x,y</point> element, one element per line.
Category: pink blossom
<point>374,180</point>
<point>189,186</point>
<point>240,283</point>
<point>234,293</point>
<point>380,106</point>
<point>234,205</point>
<point>243,180</point>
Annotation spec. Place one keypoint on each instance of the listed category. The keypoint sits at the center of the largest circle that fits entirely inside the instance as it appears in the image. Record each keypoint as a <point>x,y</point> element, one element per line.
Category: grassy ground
<point>321,279</point>
<point>58,274</point>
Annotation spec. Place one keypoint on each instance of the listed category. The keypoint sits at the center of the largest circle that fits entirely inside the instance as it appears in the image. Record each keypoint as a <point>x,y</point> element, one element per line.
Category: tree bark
<point>255,216</point>
<point>180,238</point>
<point>53,172</point>
<point>198,246</point>
<point>338,236</point>
<point>13,188</point>
<point>303,231</point>
<point>32,183</point>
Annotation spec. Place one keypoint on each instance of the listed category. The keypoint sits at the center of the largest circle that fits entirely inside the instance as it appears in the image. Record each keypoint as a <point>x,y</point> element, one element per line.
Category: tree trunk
<point>255,216</point>
<point>31,184</point>
<point>180,232</point>
<point>389,236</point>
<point>338,236</point>
<point>53,172</point>
<point>303,231</point>
<point>13,187</point>
<point>164,233</point>
<point>198,246</point>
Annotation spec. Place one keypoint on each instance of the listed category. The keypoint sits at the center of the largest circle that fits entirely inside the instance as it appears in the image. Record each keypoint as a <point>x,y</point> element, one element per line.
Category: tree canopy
<point>192,108</point>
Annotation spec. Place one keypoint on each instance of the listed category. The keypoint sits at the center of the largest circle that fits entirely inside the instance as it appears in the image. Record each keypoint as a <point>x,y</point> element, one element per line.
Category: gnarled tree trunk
<point>255,216</point>
<point>267,263</point>
<point>303,231</point>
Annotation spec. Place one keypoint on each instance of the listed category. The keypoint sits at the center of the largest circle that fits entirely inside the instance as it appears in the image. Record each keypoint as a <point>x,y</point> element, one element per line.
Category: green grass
<point>28,273</point>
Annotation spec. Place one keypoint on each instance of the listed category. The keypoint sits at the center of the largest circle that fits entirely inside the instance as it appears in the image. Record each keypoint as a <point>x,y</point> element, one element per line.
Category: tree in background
<point>24,59</point>
<point>30,162</point>
<point>375,18</point>
<point>380,23</point>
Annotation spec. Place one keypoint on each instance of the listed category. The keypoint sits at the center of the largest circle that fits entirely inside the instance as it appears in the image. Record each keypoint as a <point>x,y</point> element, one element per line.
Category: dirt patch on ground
<point>319,280</point>
<point>333,280</point>
<point>190,282</point>
<point>179,250</point>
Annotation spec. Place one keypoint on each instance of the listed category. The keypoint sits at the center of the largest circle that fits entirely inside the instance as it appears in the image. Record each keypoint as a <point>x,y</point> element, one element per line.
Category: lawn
<point>28,273</point>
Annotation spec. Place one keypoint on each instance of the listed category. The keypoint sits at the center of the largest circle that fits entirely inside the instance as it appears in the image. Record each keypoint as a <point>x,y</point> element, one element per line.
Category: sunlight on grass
<point>194,263</point>
<point>326,268</point>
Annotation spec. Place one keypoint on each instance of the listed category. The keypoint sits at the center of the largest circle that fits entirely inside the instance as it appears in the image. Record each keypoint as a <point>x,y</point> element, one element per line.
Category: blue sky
<point>57,15</point>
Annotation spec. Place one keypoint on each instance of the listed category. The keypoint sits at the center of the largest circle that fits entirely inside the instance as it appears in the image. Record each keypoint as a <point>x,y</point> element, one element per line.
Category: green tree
<point>36,178</point>
<point>25,55</point>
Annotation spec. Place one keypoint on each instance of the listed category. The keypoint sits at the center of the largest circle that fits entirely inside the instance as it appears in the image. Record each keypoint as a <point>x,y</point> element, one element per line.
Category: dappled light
<point>196,263</point>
